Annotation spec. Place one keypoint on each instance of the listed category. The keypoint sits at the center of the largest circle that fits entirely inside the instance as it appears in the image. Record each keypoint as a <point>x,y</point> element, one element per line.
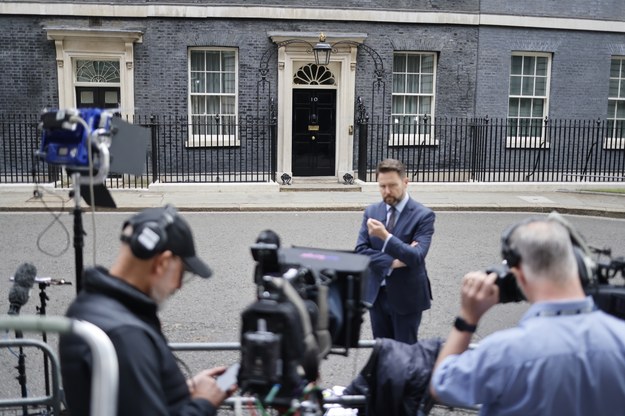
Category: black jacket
<point>396,378</point>
<point>150,381</point>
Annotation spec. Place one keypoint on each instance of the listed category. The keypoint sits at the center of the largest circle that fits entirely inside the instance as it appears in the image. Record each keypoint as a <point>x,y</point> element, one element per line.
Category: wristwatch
<point>462,325</point>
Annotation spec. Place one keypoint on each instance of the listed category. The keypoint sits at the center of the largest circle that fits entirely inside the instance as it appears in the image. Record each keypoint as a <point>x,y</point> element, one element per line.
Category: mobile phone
<point>228,379</point>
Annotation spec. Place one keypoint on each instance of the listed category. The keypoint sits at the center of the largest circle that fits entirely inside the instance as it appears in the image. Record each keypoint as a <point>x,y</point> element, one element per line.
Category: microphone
<point>23,281</point>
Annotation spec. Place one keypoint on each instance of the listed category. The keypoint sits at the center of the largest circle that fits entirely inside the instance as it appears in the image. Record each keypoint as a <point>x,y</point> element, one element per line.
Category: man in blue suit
<point>396,234</point>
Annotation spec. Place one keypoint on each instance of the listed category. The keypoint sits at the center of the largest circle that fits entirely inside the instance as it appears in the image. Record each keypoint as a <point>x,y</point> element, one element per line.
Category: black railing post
<point>363,132</point>
<point>154,141</point>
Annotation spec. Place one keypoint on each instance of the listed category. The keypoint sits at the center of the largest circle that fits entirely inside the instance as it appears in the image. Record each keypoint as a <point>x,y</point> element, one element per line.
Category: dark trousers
<point>386,323</point>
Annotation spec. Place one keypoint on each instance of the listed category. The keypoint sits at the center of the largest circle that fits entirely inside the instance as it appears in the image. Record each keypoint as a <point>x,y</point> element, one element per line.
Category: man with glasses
<point>396,234</point>
<point>157,250</point>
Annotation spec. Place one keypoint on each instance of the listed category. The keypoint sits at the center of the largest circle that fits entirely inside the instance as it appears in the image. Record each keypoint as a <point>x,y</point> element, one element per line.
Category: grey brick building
<point>520,61</point>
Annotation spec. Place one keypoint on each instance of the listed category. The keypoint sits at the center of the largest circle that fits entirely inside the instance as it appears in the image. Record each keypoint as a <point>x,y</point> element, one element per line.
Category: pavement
<point>582,198</point>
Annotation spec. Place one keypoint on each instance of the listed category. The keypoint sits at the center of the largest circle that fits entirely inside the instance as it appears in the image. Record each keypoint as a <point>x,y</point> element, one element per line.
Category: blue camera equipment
<point>67,136</point>
<point>82,140</point>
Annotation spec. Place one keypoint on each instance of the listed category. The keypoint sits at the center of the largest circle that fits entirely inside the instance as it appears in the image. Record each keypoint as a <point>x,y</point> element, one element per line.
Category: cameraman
<point>565,357</point>
<point>157,250</point>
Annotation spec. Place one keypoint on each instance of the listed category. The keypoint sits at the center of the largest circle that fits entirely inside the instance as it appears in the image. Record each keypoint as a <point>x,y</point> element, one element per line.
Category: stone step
<point>318,184</point>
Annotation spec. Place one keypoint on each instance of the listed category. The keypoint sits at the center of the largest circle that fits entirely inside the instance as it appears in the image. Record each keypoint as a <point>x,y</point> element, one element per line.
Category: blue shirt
<point>564,358</point>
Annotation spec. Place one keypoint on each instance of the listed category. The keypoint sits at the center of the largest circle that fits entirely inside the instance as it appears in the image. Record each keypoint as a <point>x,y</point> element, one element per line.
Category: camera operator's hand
<point>479,293</point>
<point>204,386</point>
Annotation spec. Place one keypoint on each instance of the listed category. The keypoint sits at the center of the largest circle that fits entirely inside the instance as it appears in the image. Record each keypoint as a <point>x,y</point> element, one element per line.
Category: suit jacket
<point>408,288</point>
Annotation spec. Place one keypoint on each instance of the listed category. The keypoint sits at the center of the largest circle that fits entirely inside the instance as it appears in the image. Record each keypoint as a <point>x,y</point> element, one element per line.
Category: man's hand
<point>204,386</point>
<point>479,293</point>
<point>377,229</point>
<point>396,264</point>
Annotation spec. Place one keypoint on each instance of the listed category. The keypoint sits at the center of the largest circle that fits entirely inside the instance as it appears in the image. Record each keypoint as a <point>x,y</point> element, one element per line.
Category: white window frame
<point>219,139</point>
<point>614,140</point>
<point>415,138</point>
<point>529,142</point>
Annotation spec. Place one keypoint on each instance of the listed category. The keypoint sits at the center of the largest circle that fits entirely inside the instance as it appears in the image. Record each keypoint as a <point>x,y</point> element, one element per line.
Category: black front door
<point>314,132</point>
<point>97,97</point>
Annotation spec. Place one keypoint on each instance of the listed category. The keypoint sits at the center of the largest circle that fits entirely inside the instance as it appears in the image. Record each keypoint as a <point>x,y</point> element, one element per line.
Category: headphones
<point>508,253</point>
<point>585,264</point>
<point>149,238</point>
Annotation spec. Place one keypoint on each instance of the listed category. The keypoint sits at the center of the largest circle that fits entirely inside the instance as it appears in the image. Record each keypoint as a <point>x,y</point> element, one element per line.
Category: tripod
<point>79,231</point>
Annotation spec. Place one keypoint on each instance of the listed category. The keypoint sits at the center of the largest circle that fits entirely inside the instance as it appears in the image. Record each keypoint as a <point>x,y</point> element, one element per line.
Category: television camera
<point>309,304</point>
<point>595,273</point>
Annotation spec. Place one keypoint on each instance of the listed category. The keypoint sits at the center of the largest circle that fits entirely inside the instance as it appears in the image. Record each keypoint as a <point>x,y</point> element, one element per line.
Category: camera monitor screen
<point>346,290</point>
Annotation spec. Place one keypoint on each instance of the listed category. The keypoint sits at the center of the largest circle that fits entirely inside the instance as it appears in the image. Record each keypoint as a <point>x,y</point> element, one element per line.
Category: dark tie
<point>391,220</point>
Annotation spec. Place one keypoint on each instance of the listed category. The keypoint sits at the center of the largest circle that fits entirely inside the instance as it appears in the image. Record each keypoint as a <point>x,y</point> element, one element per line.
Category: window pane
<point>427,64</point>
<point>212,61</point>
<point>398,104</point>
<point>515,85</point>
<point>413,63</point>
<point>620,110</point>
<point>611,109</point>
<point>513,107</point>
<point>399,83</point>
<point>537,110</point>
<point>399,63</point>
<point>515,67</point>
<point>228,83</point>
<point>412,83</point>
<point>197,61</point>
<point>541,86</point>
<point>411,105</point>
<point>615,68</point>
<point>527,87</point>
<point>212,83</point>
<point>528,65</point>
<point>212,105</point>
<point>198,104</point>
<point>227,105</point>
<point>541,66</point>
<point>198,83</point>
<point>427,84</point>
<point>110,97</point>
<point>622,94</point>
<point>97,71</point>
<point>228,61</point>
<point>86,97</point>
<point>425,105</point>
<point>614,88</point>
<point>525,109</point>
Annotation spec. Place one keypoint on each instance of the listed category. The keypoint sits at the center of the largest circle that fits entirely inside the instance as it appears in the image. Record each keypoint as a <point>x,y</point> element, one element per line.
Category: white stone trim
<point>73,44</point>
<point>299,13</point>
<point>342,65</point>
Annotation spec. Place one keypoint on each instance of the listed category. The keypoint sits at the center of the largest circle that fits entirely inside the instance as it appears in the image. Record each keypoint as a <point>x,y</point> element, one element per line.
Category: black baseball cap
<point>179,238</point>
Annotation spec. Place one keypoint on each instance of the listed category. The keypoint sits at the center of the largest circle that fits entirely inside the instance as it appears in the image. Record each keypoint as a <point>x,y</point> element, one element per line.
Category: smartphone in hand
<point>228,379</point>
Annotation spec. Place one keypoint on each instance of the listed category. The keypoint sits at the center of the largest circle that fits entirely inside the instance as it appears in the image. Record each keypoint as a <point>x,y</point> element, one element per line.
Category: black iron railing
<point>434,150</point>
<point>495,150</point>
<point>212,151</point>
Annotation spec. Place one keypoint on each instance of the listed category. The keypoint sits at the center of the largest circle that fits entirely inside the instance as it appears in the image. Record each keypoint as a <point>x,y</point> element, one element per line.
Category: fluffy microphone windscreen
<point>25,275</point>
<point>18,295</point>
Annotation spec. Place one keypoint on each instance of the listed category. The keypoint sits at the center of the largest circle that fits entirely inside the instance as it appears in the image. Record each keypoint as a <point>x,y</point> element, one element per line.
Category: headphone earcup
<point>510,255</point>
<point>148,239</point>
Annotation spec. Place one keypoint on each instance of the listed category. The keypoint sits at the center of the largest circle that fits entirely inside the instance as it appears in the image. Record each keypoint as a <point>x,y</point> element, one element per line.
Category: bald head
<point>546,251</point>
